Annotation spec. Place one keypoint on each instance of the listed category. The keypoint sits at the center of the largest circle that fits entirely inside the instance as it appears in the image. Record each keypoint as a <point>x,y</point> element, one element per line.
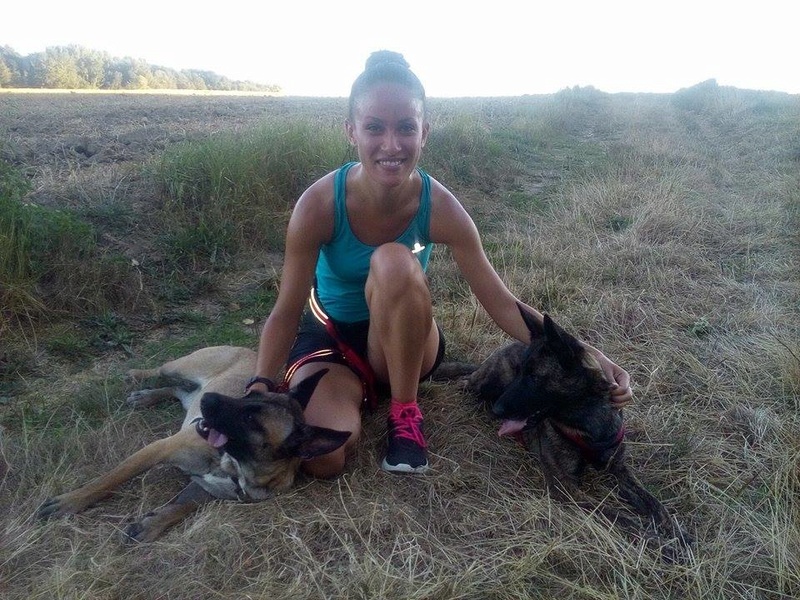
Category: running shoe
<point>406,452</point>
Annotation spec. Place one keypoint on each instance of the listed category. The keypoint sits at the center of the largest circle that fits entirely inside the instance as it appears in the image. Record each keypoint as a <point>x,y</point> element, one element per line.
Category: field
<point>664,229</point>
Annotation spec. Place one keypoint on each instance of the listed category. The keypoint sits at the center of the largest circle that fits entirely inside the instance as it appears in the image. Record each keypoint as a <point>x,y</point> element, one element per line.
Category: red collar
<point>591,451</point>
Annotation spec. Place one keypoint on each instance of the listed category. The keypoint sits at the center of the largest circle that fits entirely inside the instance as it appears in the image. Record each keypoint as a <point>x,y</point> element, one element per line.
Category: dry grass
<point>675,253</point>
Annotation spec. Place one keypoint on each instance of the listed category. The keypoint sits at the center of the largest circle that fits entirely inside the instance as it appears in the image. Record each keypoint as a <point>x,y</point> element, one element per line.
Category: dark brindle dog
<point>554,398</point>
<point>233,448</point>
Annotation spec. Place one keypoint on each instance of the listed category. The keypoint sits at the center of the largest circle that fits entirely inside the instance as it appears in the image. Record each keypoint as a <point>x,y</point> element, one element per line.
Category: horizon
<point>616,47</point>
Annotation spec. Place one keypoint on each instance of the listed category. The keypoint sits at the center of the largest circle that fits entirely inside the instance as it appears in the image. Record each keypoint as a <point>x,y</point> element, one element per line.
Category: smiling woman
<point>361,238</point>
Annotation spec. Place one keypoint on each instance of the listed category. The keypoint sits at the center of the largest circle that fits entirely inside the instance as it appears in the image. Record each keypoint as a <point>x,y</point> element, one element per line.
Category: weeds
<point>467,152</point>
<point>50,263</point>
<point>235,191</point>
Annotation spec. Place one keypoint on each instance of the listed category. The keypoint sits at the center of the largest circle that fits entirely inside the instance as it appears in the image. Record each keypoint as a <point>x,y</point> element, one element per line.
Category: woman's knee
<point>394,266</point>
<point>326,466</point>
<point>335,404</point>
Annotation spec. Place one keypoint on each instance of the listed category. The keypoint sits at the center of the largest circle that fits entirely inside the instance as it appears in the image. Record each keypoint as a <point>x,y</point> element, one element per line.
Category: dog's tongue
<point>216,438</point>
<point>511,426</point>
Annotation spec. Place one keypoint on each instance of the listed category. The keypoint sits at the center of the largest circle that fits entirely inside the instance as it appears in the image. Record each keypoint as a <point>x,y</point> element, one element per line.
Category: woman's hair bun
<point>386,57</point>
<point>385,67</point>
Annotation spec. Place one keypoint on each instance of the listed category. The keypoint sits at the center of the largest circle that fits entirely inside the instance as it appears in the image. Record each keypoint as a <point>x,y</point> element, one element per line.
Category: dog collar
<point>591,451</point>
<point>240,493</point>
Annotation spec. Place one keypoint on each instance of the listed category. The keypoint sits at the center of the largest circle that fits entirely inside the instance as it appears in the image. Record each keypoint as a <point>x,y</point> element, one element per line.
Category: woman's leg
<point>336,404</point>
<point>403,338</point>
<point>403,344</point>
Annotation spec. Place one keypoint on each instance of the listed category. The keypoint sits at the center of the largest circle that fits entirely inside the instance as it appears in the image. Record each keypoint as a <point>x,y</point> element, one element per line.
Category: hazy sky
<point>494,48</point>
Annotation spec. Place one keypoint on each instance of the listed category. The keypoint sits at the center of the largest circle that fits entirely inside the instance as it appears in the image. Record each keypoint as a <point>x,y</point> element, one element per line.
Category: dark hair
<point>385,66</point>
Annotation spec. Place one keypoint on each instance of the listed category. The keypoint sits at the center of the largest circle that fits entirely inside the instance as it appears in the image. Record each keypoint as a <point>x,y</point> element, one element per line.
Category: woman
<point>361,238</point>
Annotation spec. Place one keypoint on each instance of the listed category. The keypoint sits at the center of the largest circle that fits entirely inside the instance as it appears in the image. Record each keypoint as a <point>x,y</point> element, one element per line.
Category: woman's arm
<point>452,226</point>
<point>310,226</point>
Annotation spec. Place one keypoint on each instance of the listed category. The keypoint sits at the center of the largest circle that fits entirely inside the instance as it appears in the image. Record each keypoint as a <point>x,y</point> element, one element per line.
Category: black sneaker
<point>406,452</point>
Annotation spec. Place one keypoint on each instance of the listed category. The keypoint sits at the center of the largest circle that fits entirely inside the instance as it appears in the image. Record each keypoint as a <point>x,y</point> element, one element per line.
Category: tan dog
<point>233,448</point>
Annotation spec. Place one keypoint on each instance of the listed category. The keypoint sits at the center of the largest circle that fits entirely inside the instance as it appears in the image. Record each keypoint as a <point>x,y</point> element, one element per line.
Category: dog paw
<point>676,551</point>
<point>134,533</point>
<point>141,399</point>
<point>50,508</point>
<point>59,506</point>
<point>142,531</point>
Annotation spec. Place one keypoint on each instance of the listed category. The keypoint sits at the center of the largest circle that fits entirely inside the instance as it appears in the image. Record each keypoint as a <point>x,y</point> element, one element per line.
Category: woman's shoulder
<point>319,193</point>
<point>449,219</point>
<point>323,184</point>
<point>313,212</point>
<point>441,196</point>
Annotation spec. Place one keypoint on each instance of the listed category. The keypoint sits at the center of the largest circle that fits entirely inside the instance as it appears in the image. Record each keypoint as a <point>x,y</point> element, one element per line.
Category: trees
<point>6,75</point>
<point>9,67</point>
<point>59,69</point>
<point>76,67</point>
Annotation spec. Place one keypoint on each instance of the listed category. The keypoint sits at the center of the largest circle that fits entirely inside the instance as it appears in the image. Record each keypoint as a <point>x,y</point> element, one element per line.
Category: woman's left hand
<point>621,392</point>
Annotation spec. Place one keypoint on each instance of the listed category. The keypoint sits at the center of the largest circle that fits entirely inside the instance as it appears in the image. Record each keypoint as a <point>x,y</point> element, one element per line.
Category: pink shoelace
<point>406,419</point>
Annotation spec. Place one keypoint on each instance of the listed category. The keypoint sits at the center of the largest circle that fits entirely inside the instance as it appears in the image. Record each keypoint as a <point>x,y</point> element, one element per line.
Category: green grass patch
<point>68,342</point>
<point>525,201</point>
<point>464,151</point>
<point>17,363</point>
<point>236,190</point>
<point>215,332</point>
<point>86,406</point>
<point>239,325</point>
<point>50,261</point>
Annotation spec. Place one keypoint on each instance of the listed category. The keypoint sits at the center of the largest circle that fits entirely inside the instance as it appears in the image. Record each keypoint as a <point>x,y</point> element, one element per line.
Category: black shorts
<point>313,337</point>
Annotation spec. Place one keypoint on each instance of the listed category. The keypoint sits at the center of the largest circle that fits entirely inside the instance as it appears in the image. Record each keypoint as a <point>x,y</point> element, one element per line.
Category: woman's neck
<point>380,196</point>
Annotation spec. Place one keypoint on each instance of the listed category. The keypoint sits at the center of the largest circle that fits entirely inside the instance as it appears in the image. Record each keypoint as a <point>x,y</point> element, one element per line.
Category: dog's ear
<point>303,390</point>
<point>567,348</point>
<point>310,441</point>
<point>530,321</point>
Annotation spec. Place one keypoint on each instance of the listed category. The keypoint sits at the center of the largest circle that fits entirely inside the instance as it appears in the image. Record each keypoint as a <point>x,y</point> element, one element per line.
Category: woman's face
<point>389,130</point>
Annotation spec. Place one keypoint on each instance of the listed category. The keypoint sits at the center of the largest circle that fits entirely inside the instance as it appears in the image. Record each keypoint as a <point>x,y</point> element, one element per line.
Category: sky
<point>457,48</point>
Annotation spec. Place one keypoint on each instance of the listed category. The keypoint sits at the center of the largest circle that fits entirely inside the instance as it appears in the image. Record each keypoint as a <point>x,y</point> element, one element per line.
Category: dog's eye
<point>250,418</point>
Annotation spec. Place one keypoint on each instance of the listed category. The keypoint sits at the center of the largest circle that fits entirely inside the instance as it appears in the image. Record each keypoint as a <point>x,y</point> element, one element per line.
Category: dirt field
<point>664,237</point>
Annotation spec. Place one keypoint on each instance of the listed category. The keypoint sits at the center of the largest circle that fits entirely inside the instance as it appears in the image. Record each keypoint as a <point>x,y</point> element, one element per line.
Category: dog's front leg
<point>646,504</point>
<point>175,388</point>
<point>561,463</point>
<point>151,526</point>
<point>154,453</point>
<point>151,397</point>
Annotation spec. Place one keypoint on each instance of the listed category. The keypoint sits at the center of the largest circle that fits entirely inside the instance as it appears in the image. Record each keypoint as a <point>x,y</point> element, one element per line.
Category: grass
<point>661,228</point>
<point>50,260</point>
<point>236,190</point>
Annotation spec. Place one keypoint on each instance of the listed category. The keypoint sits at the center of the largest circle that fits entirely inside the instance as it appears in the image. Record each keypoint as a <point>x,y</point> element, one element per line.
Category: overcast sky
<point>496,48</point>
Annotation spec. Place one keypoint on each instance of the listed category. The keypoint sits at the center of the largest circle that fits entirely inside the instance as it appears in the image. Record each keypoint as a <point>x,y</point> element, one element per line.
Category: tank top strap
<point>424,213</point>
<point>340,198</point>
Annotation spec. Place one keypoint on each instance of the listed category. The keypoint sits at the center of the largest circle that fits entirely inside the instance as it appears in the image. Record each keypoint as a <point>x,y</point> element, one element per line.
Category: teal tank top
<point>343,262</point>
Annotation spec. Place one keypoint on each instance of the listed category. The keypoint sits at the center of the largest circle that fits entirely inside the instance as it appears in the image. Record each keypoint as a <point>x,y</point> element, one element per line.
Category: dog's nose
<point>209,403</point>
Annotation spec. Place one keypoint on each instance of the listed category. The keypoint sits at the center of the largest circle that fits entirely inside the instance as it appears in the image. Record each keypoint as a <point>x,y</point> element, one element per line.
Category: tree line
<point>76,67</point>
